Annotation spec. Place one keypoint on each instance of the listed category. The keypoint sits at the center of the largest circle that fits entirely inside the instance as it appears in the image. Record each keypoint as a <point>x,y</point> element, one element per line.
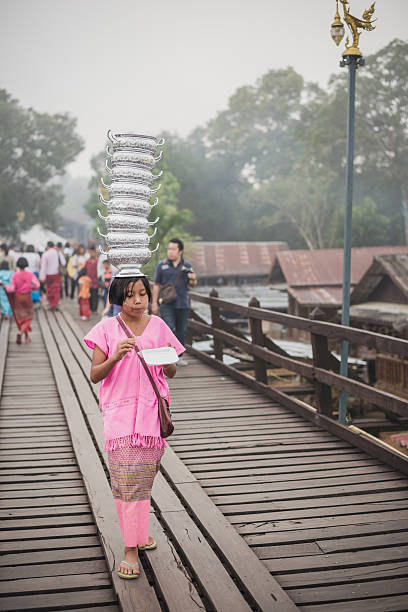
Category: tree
<point>35,148</point>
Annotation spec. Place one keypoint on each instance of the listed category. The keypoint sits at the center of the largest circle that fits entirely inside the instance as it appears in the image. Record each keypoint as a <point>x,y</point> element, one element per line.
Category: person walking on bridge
<point>130,407</point>
<point>19,293</point>
<point>51,261</point>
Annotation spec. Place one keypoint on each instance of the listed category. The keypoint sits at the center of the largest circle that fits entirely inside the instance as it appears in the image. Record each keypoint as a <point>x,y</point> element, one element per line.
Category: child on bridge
<point>130,408</point>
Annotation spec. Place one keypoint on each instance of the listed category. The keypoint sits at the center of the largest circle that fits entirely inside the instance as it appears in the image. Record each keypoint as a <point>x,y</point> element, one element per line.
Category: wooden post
<point>216,323</point>
<point>189,332</point>
<point>255,325</point>
<point>321,359</point>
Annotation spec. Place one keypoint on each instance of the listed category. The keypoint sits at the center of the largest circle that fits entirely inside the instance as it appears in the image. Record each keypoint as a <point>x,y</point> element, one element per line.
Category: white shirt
<point>33,261</point>
<point>50,261</point>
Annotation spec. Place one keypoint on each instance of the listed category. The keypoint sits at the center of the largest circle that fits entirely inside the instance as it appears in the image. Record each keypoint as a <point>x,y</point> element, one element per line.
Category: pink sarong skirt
<point>132,471</point>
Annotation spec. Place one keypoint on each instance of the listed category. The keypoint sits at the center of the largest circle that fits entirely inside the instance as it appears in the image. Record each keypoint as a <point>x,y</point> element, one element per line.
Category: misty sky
<point>156,65</point>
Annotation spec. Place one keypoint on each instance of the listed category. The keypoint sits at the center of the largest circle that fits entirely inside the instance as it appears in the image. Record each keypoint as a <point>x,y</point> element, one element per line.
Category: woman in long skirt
<point>129,408</point>
<point>19,294</point>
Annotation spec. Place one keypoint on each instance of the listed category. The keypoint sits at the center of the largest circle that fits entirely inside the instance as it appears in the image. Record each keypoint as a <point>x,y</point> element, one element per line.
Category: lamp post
<point>353,58</point>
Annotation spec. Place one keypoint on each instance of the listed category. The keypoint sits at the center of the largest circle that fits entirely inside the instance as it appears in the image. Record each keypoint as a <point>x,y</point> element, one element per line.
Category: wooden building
<point>379,302</point>
<point>314,278</point>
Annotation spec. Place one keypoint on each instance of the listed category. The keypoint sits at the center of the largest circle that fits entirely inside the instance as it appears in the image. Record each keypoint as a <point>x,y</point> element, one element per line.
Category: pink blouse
<point>126,397</point>
<point>23,282</point>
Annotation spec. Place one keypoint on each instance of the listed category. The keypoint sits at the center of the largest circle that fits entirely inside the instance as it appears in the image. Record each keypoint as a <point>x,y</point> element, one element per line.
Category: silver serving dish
<point>129,206</point>
<point>135,141</point>
<point>134,190</point>
<point>127,259</point>
<point>132,173</point>
<point>127,239</point>
<point>145,160</point>
<point>130,223</point>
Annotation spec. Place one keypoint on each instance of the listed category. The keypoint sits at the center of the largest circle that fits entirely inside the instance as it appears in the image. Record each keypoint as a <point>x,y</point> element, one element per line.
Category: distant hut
<point>314,278</point>
<point>379,302</point>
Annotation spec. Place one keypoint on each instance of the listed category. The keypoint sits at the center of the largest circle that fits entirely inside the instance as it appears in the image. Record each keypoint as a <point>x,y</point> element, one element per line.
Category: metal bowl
<point>135,141</point>
<point>121,257</point>
<point>129,206</point>
<point>130,189</point>
<point>127,156</point>
<point>132,223</point>
<point>126,239</point>
<point>133,173</point>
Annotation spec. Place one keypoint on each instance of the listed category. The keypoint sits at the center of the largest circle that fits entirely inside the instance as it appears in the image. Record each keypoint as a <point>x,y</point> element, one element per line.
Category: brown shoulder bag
<point>168,292</point>
<point>166,425</point>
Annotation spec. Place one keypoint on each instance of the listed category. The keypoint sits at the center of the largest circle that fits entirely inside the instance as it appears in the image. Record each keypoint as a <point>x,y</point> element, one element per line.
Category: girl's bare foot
<point>131,557</point>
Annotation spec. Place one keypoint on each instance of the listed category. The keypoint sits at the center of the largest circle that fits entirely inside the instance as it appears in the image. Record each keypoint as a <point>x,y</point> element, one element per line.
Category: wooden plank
<point>381,604</point>
<point>373,447</point>
<point>343,531</point>
<point>51,556</point>
<point>55,583</point>
<point>347,574</point>
<point>173,580</point>
<point>94,476</point>
<point>343,559</point>
<point>292,485</point>
<point>53,569</point>
<point>253,522</point>
<point>57,601</point>
<point>4,335</point>
<point>263,590</point>
<point>355,590</point>
<point>310,527</point>
<point>48,532</point>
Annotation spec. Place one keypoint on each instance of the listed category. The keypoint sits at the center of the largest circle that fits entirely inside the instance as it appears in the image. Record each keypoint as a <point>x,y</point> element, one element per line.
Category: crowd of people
<point>29,277</point>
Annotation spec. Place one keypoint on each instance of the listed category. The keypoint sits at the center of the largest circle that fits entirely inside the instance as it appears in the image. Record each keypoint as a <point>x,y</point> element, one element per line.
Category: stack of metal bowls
<point>130,163</point>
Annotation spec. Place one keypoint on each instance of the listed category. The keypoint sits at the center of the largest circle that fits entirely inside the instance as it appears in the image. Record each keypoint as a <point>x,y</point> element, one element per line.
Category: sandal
<point>132,566</point>
<point>151,546</point>
<point>18,339</point>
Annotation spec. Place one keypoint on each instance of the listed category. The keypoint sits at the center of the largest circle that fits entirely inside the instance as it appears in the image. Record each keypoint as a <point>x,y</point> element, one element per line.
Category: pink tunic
<point>126,396</point>
<point>23,282</point>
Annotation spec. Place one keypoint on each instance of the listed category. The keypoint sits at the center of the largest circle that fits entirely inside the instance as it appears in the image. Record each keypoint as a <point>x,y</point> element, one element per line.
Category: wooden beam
<point>97,486</point>
<point>386,344</point>
<point>4,336</point>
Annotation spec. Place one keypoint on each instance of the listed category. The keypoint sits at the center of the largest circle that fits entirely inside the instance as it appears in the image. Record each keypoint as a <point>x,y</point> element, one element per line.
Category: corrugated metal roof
<point>313,296</point>
<point>226,259</point>
<point>324,267</point>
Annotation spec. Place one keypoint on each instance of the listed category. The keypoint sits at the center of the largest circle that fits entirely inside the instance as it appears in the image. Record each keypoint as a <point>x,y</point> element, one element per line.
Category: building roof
<point>233,259</point>
<point>381,313</point>
<point>394,266</point>
<point>316,276</point>
<point>313,296</point>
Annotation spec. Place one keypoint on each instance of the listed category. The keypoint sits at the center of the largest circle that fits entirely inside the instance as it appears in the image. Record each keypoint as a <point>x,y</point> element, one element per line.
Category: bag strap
<point>178,274</point>
<point>144,364</point>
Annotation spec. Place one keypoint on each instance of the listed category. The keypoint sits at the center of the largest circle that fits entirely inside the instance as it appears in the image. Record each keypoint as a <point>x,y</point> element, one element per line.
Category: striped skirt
<point>132,471</point>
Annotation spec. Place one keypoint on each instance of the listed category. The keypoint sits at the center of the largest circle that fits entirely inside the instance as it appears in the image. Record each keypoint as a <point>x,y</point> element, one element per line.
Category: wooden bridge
<point>263,502</point>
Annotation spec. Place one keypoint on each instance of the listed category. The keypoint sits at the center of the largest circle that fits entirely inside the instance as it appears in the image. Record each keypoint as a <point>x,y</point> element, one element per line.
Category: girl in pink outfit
<point>129,408</point>
<point>19,294</point>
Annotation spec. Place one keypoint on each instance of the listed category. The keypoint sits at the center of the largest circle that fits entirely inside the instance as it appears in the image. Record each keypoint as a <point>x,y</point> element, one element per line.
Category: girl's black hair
<point>4,265</point>
<point>22,263</point>
<point>81,272</point>
<point>120,287</point>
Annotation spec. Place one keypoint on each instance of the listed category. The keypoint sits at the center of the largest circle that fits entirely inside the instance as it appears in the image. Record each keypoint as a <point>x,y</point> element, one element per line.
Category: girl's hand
<point>123,348</point>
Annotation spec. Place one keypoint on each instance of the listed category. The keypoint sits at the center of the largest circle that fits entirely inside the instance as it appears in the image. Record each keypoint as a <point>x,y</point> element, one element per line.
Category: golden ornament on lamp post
<point>353,58</point>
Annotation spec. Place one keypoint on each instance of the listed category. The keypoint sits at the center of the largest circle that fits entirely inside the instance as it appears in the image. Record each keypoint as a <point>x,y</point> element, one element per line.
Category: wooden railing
<point>320,372</point>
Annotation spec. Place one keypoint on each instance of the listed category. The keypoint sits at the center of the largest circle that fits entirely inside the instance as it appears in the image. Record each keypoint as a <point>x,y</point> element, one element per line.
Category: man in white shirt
<point>49,272</point>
